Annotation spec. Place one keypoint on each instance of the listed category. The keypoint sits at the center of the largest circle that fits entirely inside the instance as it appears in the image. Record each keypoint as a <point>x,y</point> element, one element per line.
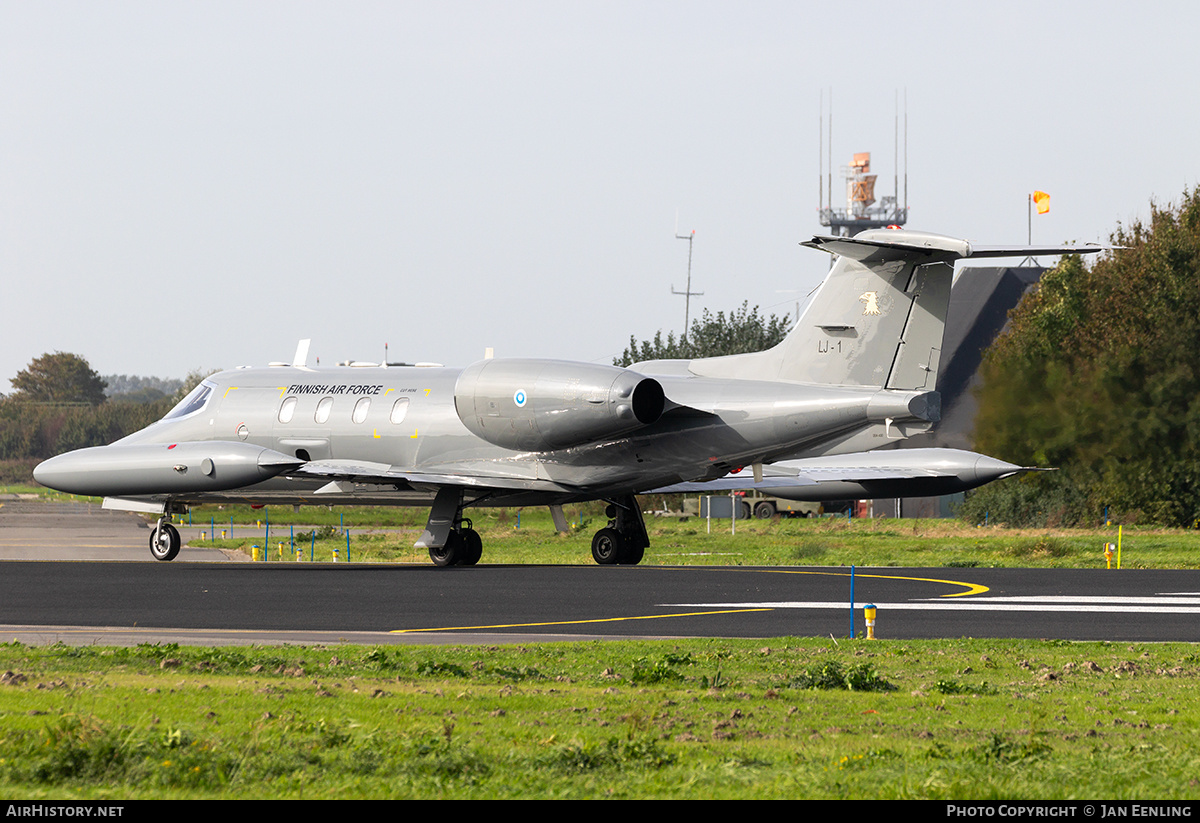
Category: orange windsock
<point>1042,201</point>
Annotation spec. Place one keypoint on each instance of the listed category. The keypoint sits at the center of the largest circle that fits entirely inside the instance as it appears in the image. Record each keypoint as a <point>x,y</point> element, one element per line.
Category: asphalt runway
<point>224,602</point>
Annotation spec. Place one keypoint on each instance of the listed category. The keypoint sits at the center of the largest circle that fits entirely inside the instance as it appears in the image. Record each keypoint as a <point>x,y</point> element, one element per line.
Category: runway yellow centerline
<point>971,588</point>
<point>573,622</point>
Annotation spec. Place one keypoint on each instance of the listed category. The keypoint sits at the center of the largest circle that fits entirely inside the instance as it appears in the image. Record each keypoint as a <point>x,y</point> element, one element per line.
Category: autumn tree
<point>1098,375</point>
<point>59,378</point>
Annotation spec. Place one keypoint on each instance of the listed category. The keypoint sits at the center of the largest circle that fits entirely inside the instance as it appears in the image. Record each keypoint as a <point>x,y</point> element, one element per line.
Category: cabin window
<point>323,409</point>
<point>399,410</point>
<point>360,409</point>
<point>287,409</point>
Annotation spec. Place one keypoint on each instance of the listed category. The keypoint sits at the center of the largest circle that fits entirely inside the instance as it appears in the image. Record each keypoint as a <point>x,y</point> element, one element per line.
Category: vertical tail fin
<point>876,320</point>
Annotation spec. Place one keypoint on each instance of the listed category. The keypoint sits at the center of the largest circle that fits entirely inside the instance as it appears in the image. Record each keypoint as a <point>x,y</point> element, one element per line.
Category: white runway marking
<point>1184,603</point>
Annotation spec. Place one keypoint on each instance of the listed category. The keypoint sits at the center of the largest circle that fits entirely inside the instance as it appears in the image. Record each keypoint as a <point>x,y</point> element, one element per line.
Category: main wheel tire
<point>764,510</point>
<point>633,556</point>
<point>472,548</point>
<point>450,554</point>
<point>164,542</point>
<point>607,547</point>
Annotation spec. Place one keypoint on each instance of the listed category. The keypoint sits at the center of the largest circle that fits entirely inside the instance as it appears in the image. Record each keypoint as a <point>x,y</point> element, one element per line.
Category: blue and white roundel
<point>519,398</point>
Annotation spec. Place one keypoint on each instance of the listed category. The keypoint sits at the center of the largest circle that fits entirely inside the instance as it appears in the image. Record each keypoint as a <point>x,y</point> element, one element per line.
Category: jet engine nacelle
<point>541,405</point>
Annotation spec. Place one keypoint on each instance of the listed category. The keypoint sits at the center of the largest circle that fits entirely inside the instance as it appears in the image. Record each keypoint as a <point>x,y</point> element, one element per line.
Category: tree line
<point>1098,375</point>
<point>60,404</point>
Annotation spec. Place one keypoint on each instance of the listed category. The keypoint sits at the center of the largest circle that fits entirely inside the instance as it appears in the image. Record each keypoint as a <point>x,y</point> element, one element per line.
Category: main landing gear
<point>164,540</point>
<point>452,540</point>
<point>450,537</point>
<point>624,540</point>
<point>463,546</point>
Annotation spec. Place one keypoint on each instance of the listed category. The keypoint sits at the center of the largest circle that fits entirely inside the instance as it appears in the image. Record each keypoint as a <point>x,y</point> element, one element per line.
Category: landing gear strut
<point>164,541</point>
<point>624,540</point>
<point>450,537</point>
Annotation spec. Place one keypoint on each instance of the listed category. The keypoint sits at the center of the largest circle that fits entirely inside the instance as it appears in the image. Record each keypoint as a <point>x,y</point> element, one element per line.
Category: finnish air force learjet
<point>857,372</point>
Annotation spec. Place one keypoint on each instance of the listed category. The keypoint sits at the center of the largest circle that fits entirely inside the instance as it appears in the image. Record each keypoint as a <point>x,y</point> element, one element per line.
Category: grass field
<point>696,719</point>
<point>387,535</point>
<point>783,718</point>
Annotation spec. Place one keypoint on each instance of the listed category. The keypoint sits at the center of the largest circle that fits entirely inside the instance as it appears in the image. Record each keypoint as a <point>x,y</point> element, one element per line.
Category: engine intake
<point>542,405</point>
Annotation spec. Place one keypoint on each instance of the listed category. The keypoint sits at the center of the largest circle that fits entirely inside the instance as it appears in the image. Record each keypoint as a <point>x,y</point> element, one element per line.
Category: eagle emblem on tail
<point>871,302</point>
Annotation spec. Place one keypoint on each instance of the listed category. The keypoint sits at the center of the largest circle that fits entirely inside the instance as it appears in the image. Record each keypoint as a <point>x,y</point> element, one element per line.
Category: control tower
<point>861,211</point>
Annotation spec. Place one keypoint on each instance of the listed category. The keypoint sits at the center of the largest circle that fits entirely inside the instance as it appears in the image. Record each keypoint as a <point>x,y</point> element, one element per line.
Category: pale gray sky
<point>191,185</point>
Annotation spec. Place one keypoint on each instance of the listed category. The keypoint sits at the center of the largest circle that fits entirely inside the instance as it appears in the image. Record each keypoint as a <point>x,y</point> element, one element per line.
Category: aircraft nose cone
<point>40,473</point>
<point>51,473</point>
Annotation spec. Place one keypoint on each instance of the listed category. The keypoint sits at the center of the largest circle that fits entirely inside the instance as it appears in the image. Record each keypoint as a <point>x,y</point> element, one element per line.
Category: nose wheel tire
<point>164,542</point>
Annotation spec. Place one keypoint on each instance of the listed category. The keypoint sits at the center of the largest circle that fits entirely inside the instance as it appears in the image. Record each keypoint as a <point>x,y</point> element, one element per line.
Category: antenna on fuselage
<point>300,359</point>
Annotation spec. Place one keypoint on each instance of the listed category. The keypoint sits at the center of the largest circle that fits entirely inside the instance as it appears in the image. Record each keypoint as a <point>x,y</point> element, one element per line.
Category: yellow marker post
<point>281,550</point>
<point>256,552</point>
<point>869,613</point>
<point>1119,546</point>
<point>222,534</point>
<point>1109,553</point>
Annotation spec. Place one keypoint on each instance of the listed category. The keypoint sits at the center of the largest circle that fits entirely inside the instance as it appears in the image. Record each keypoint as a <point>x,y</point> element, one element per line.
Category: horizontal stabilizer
<point>877,247</point>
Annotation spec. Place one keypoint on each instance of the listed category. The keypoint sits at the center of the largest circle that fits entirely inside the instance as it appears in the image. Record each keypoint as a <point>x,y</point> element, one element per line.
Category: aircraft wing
<point>364,471</point>
<point>732,482</point>
<point>800,478</point>
<point>919,469</point>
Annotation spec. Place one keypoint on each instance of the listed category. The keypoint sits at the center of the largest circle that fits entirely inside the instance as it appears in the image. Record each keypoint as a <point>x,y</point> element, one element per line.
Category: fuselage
<point>413,422</point>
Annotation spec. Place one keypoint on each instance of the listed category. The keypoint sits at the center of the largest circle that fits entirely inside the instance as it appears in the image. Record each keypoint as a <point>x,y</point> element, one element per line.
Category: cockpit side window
<point>196,400</point>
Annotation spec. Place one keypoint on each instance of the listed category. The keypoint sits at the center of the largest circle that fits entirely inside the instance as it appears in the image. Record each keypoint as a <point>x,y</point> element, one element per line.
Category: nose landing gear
<point>164,541</point>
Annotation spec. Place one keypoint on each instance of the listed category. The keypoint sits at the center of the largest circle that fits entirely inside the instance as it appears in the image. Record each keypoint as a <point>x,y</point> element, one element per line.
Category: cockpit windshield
<point>196,400</point>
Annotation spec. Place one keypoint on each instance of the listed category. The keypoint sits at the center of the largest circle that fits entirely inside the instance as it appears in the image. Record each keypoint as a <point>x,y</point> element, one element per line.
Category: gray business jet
<point>856,372</point>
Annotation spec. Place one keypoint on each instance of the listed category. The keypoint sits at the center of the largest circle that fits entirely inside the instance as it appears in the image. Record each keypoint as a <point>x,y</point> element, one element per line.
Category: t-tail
<point>877,319</point>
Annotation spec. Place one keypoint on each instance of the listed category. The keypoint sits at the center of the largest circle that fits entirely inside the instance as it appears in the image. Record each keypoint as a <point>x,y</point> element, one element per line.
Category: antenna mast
<point>687,292</point>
